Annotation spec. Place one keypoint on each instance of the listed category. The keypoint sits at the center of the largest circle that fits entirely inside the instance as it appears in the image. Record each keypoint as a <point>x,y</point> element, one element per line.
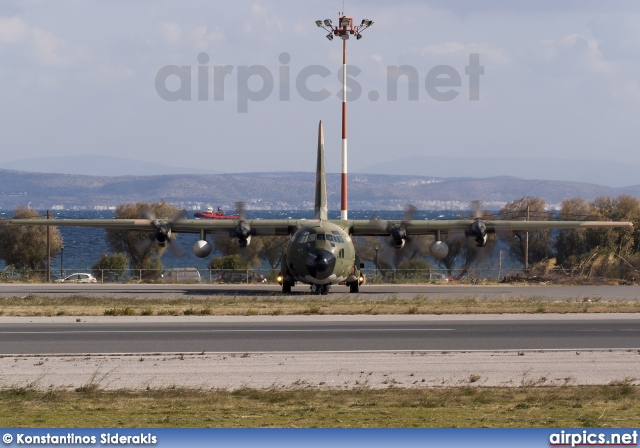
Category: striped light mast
<point>343,30</point>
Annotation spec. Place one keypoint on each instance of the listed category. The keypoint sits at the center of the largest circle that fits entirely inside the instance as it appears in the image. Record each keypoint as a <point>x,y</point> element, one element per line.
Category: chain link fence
<point>254,276</point>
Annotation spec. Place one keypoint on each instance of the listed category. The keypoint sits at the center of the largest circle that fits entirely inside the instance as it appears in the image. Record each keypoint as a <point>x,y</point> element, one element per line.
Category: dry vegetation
<point>615,405</point>
<point>77,305</point>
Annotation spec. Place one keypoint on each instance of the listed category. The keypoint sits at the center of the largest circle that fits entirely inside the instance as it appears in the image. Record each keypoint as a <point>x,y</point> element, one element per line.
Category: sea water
<point>83,246</point>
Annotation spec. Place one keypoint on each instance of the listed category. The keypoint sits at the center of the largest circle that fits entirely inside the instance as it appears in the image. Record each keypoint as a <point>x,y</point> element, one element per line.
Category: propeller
<point>242,230</point>
<point>162,232</point>
<point>399,239</point>
<point>475,235</point>
<point>478,230</point>
<point>397,231</point>
<point>237,239</point>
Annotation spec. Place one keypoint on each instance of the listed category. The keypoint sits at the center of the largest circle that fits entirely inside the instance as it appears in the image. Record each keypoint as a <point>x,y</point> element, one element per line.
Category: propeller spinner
<point>242,230</point>
<point>162,232</point>
<point>478,229</point>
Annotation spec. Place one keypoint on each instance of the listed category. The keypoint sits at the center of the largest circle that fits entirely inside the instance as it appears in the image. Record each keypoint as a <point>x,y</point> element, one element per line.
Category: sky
<point>559,79</point>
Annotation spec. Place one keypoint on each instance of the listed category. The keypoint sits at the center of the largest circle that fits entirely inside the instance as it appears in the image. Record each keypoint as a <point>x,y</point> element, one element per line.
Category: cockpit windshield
<point>307,237</point>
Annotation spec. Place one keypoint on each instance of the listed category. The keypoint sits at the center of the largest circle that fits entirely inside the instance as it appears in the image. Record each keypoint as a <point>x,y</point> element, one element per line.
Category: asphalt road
<point>320,334</point>
<point>270,352</point>
<point>541,292</point>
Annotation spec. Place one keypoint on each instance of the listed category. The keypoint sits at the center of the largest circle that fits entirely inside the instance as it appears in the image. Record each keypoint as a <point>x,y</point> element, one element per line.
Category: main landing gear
<point>320,289</point>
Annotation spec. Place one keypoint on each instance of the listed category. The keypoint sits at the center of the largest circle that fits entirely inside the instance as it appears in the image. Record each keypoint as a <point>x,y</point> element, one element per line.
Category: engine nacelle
<point>398,234</point>
<point>202,248</point>
<point>244,242</point>
<point>243,233</point>
<point>438,249</point>
<point>479,232</point>
<point>163,232</point>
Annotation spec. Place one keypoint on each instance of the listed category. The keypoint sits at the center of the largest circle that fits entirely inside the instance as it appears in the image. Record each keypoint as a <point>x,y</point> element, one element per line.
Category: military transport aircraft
<point>320,252</point>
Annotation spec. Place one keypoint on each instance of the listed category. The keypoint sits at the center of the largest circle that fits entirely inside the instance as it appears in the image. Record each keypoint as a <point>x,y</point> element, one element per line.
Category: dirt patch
<point>555,279</point>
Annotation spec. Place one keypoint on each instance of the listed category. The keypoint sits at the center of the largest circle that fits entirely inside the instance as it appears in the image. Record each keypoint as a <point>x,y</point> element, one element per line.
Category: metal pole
<point>61,261</point>
<point>343,201</point>
<point>343,30</point>
<point>48,249</point>
<point>376,249</point>
<point>526,247</point>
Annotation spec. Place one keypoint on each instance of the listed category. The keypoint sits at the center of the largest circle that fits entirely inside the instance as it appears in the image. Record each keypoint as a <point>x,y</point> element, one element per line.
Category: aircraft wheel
<point>324,289</point>
<point>354,287</point>
<point>315,289</point>
<point>286,287</point>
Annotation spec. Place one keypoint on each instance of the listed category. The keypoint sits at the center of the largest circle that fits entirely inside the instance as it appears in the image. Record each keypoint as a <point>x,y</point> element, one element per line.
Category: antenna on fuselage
<point>321,210</point>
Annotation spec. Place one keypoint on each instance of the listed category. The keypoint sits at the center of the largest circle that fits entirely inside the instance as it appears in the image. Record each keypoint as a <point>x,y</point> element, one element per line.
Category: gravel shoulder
<point>325,370</point>
<point>341,370</point>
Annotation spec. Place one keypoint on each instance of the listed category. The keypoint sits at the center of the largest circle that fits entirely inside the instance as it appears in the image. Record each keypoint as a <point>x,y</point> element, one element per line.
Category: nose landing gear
<point>320,289</point>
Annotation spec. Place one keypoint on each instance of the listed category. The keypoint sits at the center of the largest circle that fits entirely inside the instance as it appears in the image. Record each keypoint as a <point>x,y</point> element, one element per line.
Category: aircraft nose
<point>320,263</point>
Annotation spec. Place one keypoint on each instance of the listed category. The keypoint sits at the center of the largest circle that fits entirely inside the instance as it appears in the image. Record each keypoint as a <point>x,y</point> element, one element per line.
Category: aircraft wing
<point>528,226</point>
<point>258,227</point>
<point>415,227</point>
<point>120,224</point>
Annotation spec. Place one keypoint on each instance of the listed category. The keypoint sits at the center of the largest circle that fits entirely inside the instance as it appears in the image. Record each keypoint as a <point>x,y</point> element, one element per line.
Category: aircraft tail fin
<point>321,209</point>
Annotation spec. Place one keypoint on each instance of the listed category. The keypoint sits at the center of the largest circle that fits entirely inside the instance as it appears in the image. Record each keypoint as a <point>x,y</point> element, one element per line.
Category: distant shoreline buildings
<point>389,205</point>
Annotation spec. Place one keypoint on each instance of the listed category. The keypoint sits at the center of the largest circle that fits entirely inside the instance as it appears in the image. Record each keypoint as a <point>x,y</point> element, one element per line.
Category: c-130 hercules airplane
<point>320,252</point>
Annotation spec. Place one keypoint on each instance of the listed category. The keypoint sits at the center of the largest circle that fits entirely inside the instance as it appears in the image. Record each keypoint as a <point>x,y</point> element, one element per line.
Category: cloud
<point>572,54</point>
<point>487,52</point>
<point>13,30</point>
<point>39,44</point>
<point>268,18</point>
<point>576,63</point>
<point>531,7</point>
<point>203,37</point>
<point>170,32</point>
<point>618,36</point>
<point>263,23</point>
<point>48,48</point>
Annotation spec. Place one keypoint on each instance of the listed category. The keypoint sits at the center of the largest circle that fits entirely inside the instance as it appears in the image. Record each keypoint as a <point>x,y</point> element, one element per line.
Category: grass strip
<point>615,405</point>
<point>78,305</point>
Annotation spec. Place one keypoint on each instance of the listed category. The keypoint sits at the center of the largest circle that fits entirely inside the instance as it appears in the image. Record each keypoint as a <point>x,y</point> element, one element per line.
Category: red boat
<point>209,213</point>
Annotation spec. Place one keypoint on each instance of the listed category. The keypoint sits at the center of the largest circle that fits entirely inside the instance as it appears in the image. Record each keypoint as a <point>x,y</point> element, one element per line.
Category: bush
<point>110,267</point>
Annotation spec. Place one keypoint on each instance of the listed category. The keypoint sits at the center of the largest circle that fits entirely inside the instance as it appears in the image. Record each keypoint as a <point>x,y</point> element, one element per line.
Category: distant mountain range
<point>613,174</point>
<point>98,166</point>
<point>282,191</point>
<point>606,173</point>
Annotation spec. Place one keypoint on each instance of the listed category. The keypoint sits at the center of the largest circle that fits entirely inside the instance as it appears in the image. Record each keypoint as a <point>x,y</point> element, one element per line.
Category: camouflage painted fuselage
<point>321,253</point>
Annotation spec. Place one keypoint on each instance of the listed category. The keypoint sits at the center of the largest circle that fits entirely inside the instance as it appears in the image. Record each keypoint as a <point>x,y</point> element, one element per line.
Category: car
<point>181,275</point>
<point>435,276</point>
<point>240,276</point>
<point>79,277</point>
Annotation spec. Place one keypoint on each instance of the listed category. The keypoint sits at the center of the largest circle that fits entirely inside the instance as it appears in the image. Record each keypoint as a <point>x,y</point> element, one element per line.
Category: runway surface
<point>326,352</point>
<point>539,292</point>
<point>289,352</point>
<point>272,334</point>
